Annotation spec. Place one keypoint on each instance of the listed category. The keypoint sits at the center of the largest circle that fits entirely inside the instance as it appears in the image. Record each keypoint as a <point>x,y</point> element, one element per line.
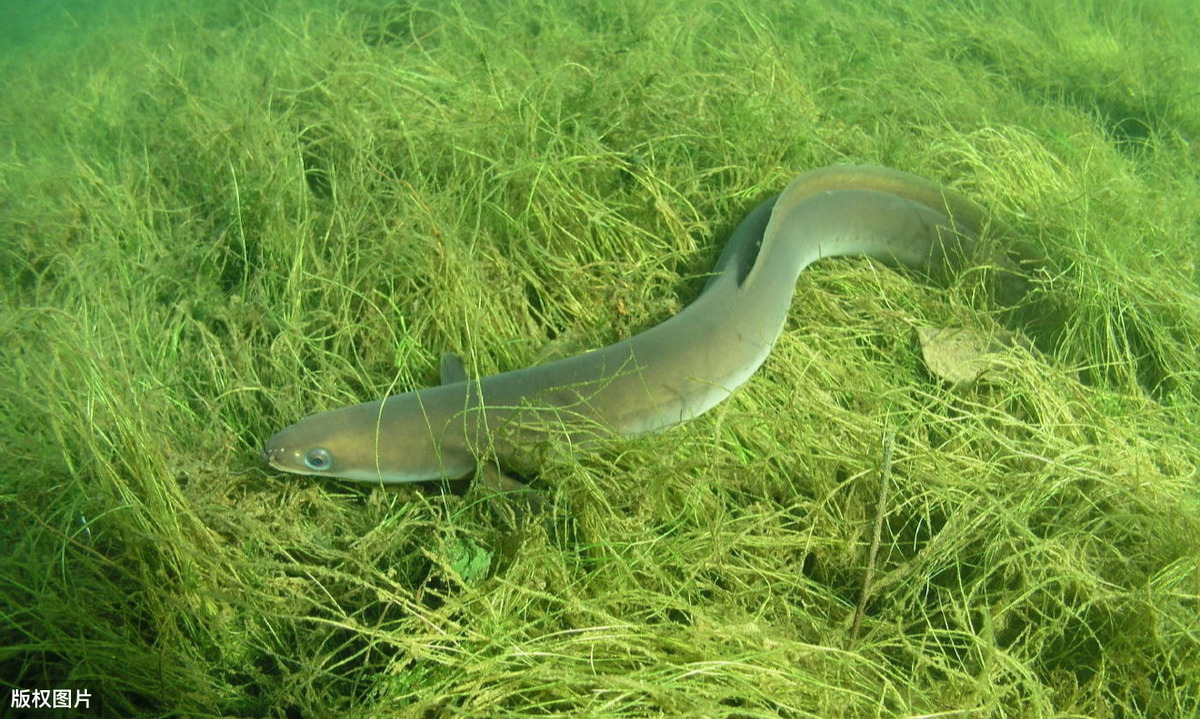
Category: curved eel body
<point>668,374</point>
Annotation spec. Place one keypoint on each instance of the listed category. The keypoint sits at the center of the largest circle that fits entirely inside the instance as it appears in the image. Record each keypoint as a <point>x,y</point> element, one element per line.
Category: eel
<point>665,375</point>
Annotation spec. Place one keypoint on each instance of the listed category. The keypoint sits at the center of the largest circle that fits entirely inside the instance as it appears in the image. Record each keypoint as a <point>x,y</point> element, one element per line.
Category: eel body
<point>665,375</point>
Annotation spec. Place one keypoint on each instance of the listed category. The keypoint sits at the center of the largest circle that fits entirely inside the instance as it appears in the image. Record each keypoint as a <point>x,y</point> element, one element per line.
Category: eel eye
<point>318,459</point>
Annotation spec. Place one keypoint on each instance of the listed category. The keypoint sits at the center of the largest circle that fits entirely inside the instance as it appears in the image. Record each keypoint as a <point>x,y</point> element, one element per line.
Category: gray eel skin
<point>668,374</point>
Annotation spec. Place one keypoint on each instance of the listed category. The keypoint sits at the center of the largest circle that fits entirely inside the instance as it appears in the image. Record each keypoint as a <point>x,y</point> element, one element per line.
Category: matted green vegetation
<point>215,221</point>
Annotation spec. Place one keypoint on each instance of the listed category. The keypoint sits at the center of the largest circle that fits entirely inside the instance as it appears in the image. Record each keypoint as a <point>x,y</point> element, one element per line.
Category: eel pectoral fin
<point>452,369</point>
